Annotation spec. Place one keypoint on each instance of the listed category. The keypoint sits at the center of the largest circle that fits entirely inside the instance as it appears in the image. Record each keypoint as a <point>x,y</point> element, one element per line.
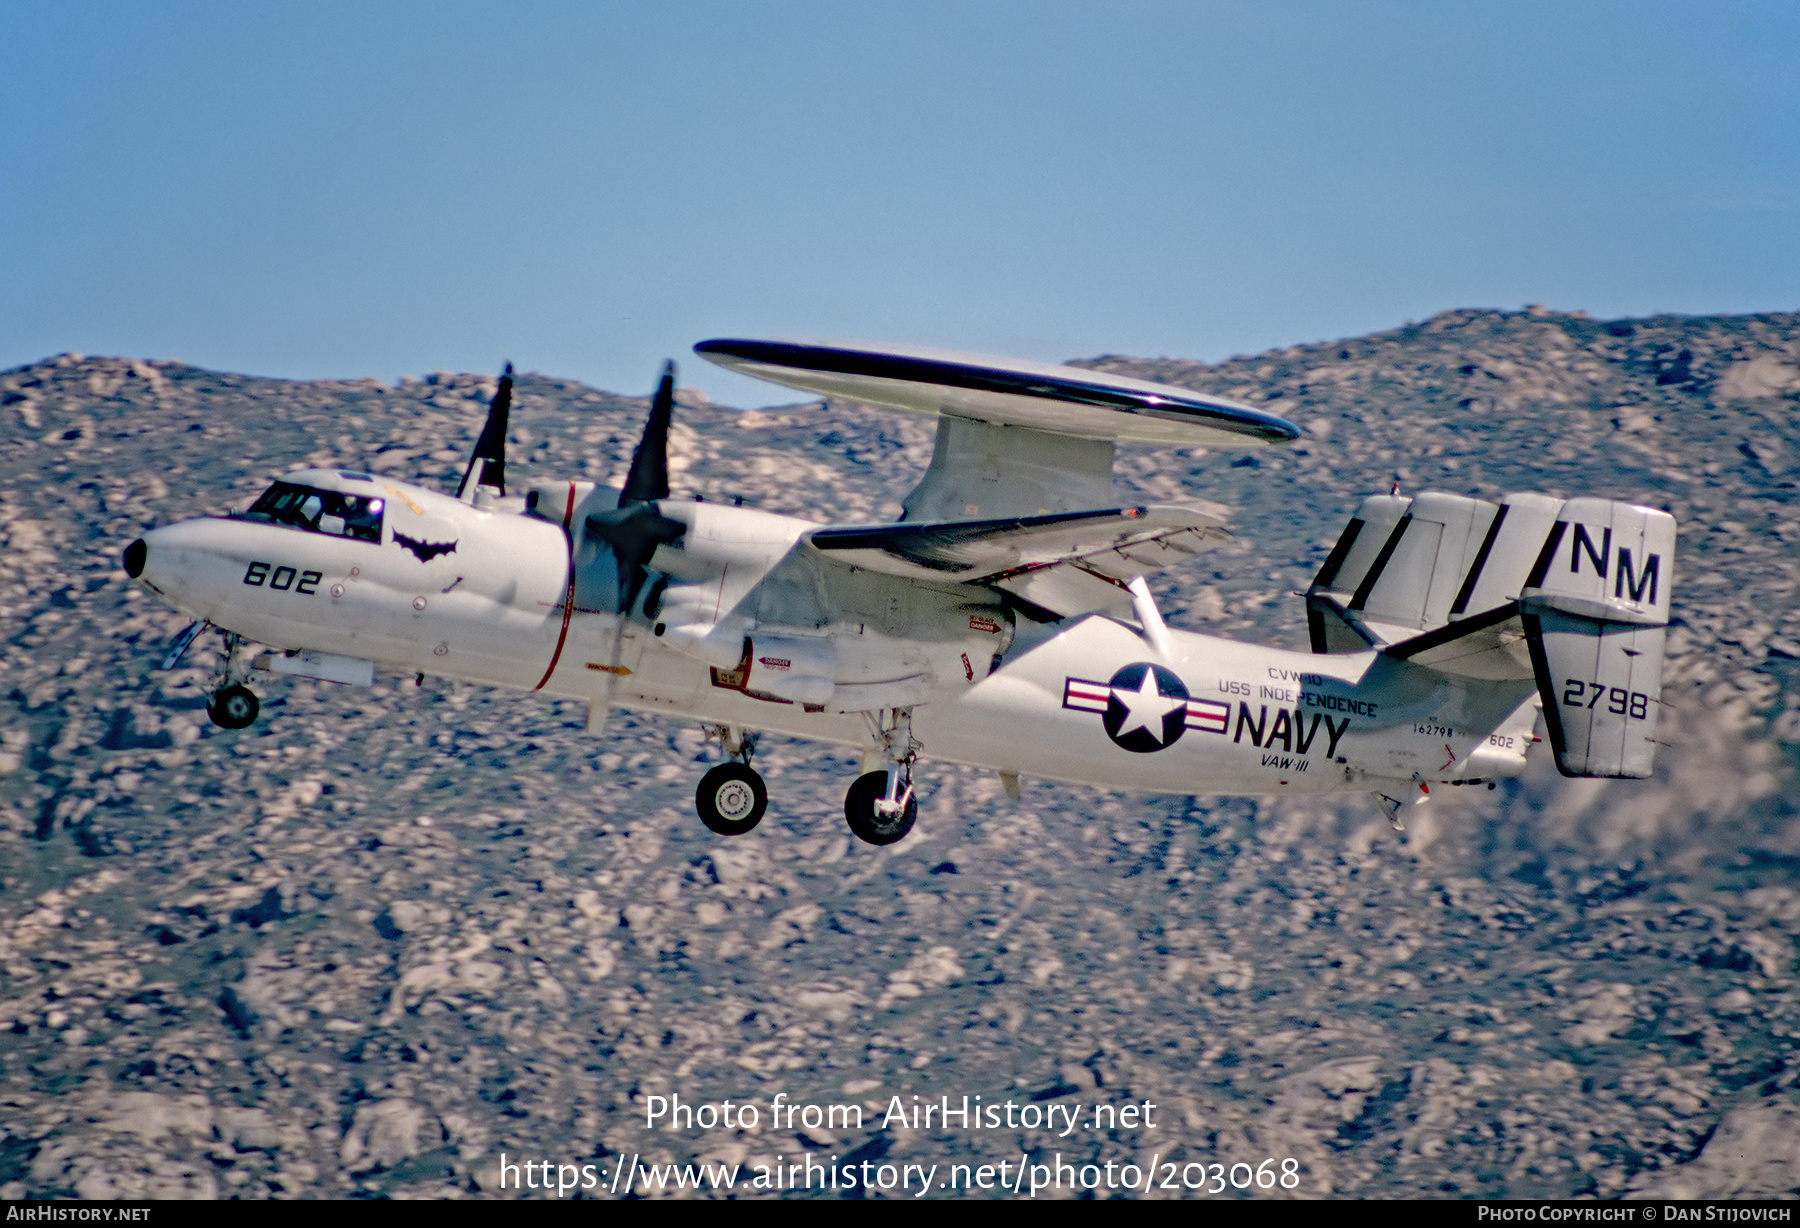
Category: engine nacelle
<point>792,667</point>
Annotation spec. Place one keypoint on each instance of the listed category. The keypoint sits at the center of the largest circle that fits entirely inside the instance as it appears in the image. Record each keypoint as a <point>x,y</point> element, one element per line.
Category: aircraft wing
<point>1113,544</point>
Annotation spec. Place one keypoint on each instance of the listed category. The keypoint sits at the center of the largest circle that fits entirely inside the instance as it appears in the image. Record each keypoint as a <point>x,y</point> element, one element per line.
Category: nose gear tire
<point>870,826</point>
<point>233,707</point>
<point>731,799</point>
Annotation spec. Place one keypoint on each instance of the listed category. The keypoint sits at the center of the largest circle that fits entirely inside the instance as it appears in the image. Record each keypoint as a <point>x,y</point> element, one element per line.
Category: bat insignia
<point>422,550</point>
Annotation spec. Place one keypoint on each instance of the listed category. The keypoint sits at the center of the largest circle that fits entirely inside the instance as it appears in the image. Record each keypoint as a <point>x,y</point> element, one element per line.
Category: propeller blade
<point>648,479</point>
<point>490,449</point>
<point>633,532</point>
<point>635,528</point>
<point>600,710</point>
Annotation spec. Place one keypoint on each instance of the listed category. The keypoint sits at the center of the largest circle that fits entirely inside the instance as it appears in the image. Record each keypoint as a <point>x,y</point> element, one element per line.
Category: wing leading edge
<point>1118,543</point>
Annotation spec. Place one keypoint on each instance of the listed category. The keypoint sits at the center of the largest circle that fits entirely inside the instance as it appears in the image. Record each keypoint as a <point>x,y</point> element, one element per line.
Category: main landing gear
<point>874,813</point>
<point>731,798</point>
<point>233,705</point>
<point>880,806</point>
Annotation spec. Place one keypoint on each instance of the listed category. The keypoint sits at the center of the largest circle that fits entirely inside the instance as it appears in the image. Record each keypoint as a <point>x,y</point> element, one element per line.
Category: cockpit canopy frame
<point>313,509</point>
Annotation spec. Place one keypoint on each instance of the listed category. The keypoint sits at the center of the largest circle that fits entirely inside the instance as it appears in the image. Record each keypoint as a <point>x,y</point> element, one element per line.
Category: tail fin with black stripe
<point>1573,594</point>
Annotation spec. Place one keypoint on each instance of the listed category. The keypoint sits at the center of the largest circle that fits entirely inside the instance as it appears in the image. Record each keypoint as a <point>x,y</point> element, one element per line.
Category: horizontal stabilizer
<point>1490,645</point>
<point>1128,540</point>
<point>1406,566</point>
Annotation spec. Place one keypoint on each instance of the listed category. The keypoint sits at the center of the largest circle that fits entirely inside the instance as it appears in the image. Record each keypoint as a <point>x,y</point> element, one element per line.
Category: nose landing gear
<point>233,705</point>
<point>731,798</point>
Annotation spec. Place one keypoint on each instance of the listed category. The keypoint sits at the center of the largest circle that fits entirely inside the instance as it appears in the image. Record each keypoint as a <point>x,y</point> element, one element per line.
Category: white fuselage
<point>491,596</point>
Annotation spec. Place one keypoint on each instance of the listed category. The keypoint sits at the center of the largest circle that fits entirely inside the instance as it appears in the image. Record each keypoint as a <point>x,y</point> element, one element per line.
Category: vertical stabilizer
<point>1595,610</point>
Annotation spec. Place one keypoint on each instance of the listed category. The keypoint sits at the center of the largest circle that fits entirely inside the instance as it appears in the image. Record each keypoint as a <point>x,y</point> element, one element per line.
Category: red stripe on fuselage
<point>1085,696</point>
<point>1209,715</point>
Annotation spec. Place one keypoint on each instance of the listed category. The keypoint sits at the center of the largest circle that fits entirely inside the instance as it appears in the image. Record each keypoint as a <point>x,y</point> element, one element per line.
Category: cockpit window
<point>319,511</point>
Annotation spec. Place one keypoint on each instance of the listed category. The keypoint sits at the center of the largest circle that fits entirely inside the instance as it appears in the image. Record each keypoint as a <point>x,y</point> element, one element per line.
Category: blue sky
<point>327,189</point>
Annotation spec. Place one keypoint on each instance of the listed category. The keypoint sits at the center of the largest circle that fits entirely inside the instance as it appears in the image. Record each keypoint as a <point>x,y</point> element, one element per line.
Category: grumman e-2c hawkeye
<point>1004,621</point>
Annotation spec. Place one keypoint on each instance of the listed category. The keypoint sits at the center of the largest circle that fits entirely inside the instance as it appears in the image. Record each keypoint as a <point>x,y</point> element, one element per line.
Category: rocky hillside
<point>388,934</point>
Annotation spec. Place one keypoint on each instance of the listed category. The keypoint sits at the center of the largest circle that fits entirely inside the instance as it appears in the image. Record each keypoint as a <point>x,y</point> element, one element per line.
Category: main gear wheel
<point>731,799</point>
<point>870,819</point>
